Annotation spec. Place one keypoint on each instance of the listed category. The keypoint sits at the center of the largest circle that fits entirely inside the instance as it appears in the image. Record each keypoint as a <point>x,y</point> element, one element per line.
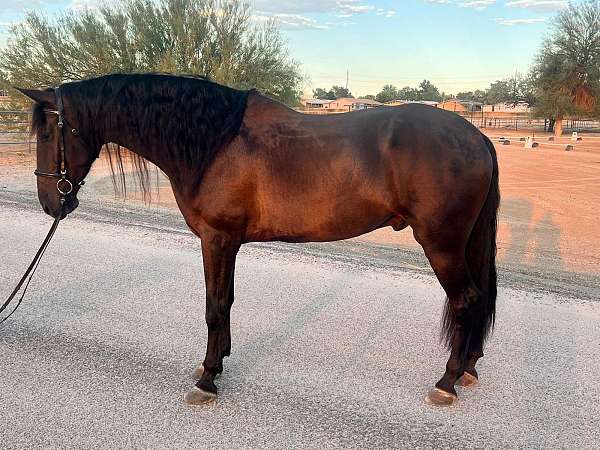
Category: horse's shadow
<point>535,245</point>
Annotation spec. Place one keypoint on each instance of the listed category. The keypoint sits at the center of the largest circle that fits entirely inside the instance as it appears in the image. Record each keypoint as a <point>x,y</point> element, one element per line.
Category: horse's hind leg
<point>219,251</point>
<point>464,319</point>
<point>470,377</point>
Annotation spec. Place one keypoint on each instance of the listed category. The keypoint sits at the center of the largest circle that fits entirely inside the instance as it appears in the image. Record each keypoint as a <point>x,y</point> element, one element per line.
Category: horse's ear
<point>37,95</point>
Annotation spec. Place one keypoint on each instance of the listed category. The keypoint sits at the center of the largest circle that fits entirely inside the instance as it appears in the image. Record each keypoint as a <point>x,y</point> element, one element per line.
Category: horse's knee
<point>215,320</point>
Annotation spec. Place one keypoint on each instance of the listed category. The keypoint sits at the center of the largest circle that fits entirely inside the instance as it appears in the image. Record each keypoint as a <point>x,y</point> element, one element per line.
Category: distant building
<point>351,104</point>
<point>508,107</point>
<point>461,106</point>
<point>4,98</point>
<point>341,104</point>
<point>315,103</point>
<point>407,102</point>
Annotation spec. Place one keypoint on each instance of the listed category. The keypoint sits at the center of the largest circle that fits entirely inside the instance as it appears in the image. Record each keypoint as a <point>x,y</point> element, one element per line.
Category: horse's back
<point>419,153</point>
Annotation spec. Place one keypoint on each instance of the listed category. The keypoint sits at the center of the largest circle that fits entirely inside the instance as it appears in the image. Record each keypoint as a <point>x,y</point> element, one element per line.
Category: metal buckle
<point>69,186</point>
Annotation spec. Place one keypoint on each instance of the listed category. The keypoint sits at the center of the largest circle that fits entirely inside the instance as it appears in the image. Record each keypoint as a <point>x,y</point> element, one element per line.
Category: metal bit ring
<point>69,186</point>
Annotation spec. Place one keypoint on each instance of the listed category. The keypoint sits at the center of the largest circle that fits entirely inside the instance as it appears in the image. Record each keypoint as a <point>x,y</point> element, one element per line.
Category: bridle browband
<point>61,173</point>
<point>64,187</point>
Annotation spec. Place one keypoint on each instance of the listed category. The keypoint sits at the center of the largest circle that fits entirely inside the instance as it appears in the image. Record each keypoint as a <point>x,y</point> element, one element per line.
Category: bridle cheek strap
<point>64,186</point>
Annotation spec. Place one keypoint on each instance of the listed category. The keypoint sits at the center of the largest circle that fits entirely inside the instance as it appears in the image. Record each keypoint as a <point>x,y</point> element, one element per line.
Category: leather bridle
<point>64,186</point>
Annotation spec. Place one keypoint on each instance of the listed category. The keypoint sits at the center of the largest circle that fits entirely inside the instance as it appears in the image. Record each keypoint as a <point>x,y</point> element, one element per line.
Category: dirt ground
<point>549,200</point>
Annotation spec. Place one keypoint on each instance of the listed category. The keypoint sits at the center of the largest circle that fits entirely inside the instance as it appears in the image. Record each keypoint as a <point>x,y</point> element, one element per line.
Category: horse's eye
<point>45,136</point>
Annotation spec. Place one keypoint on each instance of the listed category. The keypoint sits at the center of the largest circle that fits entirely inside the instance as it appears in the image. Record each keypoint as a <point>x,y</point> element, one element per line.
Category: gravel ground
<point>333,346</point>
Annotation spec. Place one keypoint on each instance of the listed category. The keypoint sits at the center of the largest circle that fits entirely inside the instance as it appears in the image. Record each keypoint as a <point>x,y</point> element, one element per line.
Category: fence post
<point>27,132</point>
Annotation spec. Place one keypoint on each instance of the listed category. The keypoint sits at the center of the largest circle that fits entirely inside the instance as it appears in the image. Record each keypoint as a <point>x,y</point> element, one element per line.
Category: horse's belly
<point>302,221</point>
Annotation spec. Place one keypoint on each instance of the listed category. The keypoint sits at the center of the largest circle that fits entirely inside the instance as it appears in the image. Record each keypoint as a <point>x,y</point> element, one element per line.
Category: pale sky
<point>456,44</point>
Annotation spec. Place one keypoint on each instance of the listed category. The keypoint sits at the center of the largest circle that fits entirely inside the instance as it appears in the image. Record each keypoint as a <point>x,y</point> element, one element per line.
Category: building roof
<point>422,102</point>
<point>362,101</point>
<point>318,101</point>
<point>511,104</point>
<point>462,102</point>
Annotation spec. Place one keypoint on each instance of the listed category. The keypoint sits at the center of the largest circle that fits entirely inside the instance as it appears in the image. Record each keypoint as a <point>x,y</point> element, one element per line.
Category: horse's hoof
<point>467,380</point>
<point>197,396</point>
<point>199,371</point>
<point>437,397</point>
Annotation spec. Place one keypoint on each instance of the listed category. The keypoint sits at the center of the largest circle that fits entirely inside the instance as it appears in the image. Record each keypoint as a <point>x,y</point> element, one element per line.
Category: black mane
<point>188,119</point>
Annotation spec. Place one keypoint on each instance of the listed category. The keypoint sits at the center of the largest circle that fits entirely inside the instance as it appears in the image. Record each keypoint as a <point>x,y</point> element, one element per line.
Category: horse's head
<point>63,156</point>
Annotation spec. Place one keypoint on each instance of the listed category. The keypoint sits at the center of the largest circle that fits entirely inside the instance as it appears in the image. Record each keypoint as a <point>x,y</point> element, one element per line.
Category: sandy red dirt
<point>550,202</point>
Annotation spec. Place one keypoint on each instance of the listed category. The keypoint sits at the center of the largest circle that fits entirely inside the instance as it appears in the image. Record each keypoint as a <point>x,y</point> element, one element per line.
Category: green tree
<point>566,74</point>
<point>515,89</point>
<point>341,92</point>
<point>408,93</point>
<point>213,38</point>
<point>323,94</point>
<point>388,93</point>
<point>499,92</point>
<point>427,91</point>
<point>334,93</point>
<point>472,96</point>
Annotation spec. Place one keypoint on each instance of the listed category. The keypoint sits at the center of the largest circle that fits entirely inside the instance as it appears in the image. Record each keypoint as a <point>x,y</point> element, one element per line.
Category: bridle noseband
<point>64,186</point>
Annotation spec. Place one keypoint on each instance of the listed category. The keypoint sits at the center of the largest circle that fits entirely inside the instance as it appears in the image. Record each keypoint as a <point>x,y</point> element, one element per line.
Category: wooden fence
<point>501,120</point>
<point>525,121</point>
<point>14,131</point>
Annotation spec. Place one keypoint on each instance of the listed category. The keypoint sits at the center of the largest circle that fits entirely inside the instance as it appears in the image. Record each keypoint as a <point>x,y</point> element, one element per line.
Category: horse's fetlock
<point>454,366</point>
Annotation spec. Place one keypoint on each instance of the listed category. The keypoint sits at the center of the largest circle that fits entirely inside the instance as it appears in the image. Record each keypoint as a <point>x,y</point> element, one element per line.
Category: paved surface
<point>329,350</point>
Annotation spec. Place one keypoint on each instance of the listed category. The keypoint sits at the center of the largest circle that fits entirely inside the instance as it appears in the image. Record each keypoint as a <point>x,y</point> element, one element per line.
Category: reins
<point>29,273</point>
<point>64,186</point>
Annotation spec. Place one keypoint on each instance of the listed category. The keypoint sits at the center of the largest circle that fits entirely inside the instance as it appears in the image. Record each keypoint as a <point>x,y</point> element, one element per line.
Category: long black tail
<point>481,248</point>
<point>481,259</point>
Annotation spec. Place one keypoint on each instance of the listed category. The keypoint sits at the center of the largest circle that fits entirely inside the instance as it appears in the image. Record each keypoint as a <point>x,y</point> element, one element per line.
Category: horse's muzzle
<point>71,203</point>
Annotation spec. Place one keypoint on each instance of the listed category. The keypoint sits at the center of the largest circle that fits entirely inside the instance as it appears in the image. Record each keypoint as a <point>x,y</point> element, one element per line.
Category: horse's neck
<point>129,136</point>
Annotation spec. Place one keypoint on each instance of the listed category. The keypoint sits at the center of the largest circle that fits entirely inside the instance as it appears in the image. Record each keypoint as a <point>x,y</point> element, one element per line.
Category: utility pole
<point>347,79</point>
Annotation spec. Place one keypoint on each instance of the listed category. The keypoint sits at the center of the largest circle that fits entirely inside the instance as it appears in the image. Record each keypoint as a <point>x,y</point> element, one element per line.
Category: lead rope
<point>29,272</point>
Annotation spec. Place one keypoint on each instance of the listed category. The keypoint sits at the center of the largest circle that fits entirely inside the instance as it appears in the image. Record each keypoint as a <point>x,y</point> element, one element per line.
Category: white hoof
<point>467,380</point>
<point>437,397</point>
<point>197,396</point>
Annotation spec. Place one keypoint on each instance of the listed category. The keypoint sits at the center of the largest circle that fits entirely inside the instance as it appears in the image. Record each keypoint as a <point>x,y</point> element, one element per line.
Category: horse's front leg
<point>225,336</point>
<point>219,251</point>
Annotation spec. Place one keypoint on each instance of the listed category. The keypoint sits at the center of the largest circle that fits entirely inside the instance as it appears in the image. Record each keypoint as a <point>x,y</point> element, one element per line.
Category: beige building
<point>4,98</point>
<point>408,102</point>
<point>460,106</point>
<point>315,103</point>
<point>509,108</point>
<point>351,104</point>
<point>340,104</point>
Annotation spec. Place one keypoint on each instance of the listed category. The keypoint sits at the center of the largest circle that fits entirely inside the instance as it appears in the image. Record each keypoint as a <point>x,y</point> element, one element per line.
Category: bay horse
<point>246,168</point>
